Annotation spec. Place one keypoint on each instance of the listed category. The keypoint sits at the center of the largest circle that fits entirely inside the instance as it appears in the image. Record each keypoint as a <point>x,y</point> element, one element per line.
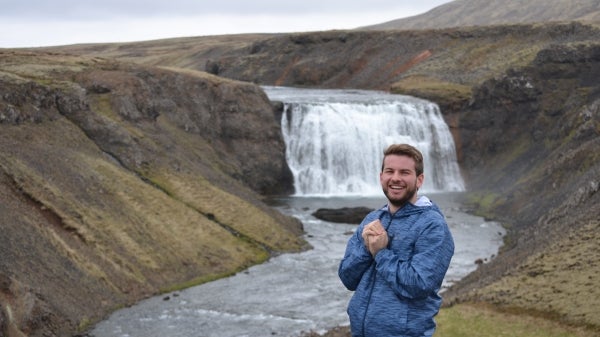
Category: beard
<point>399,201</point>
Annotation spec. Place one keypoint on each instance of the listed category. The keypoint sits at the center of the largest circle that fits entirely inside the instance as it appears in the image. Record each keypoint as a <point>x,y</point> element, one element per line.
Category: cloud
<point>90,9</point>
<point>43,23</point>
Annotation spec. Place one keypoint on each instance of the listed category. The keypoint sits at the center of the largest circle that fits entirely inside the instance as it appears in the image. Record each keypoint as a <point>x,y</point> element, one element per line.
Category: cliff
<point>522,103</point>
<point>531,138</point>
<point>120,181</point>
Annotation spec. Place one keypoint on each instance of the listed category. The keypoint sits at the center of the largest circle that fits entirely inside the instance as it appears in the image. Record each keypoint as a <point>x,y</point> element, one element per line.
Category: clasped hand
<point>375,237</point>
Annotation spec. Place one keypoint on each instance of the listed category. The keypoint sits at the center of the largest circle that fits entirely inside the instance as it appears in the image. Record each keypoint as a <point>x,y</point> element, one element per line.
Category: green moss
<point>483,202</point>
<point>247,222</point>
<point>84,324</point>
<point>208,278</point>
<point>556,284</point>
<point>483,321</point>
<point>442,92</point>
<point>101,104</point>
<point>517,149</point>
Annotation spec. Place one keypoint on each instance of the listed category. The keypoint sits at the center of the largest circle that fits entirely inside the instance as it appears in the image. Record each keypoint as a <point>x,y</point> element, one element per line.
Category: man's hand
<point>375,237</point>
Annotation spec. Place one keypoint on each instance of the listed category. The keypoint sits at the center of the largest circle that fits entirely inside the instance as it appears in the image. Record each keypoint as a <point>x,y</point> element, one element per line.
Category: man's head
<point>405,150</point>
<point>401,174</point>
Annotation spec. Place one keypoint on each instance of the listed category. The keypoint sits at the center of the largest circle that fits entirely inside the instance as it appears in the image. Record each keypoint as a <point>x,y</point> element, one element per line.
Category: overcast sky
<point>33,23</point>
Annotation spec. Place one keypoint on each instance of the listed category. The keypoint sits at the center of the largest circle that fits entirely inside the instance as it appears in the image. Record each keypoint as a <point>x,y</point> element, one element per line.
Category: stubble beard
<point>401,201</point>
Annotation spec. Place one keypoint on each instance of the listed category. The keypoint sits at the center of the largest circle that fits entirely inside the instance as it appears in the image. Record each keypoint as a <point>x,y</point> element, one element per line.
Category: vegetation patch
<point>432,89</point>
<point>559,283</point>
<point>482,203</point>
<point>481,320</point>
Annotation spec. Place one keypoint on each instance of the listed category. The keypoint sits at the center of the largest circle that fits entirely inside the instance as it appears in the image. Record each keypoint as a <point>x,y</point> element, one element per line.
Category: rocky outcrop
<point>377,60</point>
<point>533,139</point>
<point>349,215</point>
<point>536,116</point>
<point>119,181</point>
<point>448,61</point>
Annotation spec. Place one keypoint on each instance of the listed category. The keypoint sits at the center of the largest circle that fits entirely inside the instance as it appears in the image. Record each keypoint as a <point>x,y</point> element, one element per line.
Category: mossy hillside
<point>377,59</point>
<point>543,184</point>
<point>106,201</point>
<point>442,92</point>
<point>558,284</point>
<point>134,226</point>
<point>175,150</point>
<point>233,213</point>
<point>483,320</point>
<point>473,59</point>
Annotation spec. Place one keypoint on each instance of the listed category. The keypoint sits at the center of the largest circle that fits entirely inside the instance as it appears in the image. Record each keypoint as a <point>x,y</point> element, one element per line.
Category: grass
<point>480,320</point>
<point>559,283</point>
<point>431,87</point>
<point>483,202</point>
<point>195,282</point>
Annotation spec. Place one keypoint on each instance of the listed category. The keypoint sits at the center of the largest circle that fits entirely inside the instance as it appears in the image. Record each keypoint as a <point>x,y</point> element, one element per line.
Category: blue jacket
<point>396,293</point>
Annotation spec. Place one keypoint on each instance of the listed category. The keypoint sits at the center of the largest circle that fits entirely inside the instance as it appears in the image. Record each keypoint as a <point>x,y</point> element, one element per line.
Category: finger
<point>378,226</point>
<point>374,223</point>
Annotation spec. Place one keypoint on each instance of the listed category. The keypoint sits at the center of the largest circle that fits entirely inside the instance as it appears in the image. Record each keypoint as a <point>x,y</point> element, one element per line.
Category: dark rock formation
<point>349,215</point>
<point>378,59</point>
<point>534,135</point>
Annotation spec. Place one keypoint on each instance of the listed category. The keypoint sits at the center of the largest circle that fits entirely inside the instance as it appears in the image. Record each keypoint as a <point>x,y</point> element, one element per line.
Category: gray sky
<point>33,23</point>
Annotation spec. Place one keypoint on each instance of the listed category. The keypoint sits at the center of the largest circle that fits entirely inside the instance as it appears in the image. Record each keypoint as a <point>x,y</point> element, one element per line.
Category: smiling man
<point>398,257</point>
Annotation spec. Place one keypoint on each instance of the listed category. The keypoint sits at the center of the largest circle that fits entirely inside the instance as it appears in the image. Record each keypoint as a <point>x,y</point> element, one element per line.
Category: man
<point>399,255</point>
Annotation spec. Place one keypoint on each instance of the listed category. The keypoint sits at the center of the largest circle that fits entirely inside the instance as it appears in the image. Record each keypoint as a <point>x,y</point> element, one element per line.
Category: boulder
<point>349,215</point>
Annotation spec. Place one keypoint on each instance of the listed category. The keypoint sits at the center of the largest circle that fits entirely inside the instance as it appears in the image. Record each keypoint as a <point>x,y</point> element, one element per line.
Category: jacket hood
<point>422,204</point>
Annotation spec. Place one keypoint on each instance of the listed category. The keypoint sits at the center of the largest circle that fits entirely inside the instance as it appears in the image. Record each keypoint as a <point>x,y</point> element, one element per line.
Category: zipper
<point>374,277</point>
<point>368,302</point>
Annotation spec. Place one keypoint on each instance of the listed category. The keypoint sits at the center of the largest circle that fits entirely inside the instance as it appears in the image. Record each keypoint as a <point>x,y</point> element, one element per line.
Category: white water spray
<point>335,139</point>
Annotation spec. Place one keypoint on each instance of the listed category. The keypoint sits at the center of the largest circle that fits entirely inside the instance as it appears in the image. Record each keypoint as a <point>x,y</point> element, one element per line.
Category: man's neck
<point>414,200</point>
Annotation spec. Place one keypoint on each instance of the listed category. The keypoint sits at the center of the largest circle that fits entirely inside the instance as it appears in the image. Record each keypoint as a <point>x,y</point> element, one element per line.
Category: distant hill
<point>461,13</point>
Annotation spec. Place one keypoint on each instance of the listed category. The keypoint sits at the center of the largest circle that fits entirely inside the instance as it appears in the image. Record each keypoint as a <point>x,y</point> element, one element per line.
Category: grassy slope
<point>465,13</point>
<point>480,320</point>
<point>81,233</point>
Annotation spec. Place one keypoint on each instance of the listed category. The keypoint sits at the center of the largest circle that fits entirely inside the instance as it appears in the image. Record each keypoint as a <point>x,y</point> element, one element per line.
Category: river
<point>334,144</point>
<point>291,293</point>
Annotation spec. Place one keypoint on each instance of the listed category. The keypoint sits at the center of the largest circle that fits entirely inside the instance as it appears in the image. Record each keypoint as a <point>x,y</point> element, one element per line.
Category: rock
<point>349,215</point>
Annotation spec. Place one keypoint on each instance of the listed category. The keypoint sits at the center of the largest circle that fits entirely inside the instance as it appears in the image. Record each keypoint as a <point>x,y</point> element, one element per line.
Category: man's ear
<point>420,179</point>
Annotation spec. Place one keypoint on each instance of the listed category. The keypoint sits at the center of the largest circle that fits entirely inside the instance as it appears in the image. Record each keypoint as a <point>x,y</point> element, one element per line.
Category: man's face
<point>399,180</point>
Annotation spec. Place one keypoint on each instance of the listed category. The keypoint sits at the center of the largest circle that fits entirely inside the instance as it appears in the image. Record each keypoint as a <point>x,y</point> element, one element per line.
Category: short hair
<point>405,150</point>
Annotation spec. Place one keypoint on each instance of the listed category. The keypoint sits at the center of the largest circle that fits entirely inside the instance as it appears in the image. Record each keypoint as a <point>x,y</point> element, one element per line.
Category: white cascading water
<point>335,139</point>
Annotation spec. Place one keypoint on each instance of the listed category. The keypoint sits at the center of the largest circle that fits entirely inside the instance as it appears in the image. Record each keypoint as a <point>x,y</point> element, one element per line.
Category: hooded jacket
<point>396,292</point>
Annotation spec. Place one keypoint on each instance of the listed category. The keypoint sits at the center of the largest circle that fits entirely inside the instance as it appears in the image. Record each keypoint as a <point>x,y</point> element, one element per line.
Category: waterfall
<point>335,139</point>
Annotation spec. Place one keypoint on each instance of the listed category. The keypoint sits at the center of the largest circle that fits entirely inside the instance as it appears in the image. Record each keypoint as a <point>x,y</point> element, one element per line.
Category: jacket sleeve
<point>423,273</point>
<point>356,260</point>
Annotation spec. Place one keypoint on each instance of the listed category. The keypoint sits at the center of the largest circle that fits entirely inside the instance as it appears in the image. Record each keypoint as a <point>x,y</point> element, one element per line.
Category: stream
<point>291,293</point>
